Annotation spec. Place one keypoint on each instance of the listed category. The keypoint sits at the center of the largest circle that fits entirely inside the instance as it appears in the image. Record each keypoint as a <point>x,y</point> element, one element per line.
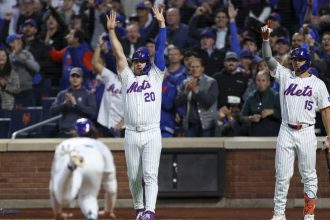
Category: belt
<point>299,126</point>
<point>142,127</point>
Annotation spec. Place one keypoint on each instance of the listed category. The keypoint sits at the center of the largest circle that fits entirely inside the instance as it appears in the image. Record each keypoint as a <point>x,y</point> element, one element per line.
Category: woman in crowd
<point>9,82</point>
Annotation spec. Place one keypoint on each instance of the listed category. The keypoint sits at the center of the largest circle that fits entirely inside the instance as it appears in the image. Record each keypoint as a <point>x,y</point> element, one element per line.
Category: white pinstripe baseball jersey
<point>111,109</point>
<point>142,97</point>
<point>300,97</point>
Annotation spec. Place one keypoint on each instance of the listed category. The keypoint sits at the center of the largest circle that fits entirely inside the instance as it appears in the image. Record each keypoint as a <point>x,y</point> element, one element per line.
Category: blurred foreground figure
<point>80,166</point>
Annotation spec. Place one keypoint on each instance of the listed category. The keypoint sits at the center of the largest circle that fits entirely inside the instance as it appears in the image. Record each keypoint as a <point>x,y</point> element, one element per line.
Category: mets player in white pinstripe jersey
<point>142,90</point>
<point>301,93</point>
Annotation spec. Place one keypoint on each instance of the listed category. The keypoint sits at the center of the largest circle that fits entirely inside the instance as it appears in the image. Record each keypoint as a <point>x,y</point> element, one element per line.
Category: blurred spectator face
<point>29,30</point>
<point>231,65</point>
<point>282,48</point>
<point>3,58</point>
<point>71,39</point>
<point>251,46</point>
<point>16,45</point>
<point>262,66</point>
<point>37,6</point>
<point>174,56</point>
<point>246,63</point>
<point>52,23</point>
<point>142,13</point>
<point>326,42</point>
<point>115,4</point>
<point>173,17</point>
<point>77,23</point>
<point>133,33</point>
<point>27,7</point>
<point>196,68</point>
<point>76,80</point>
<point>221,20</point>
<point>235,111</point>
<point>297,40</point>
<point>187,60</point>
<point>68,5</point>
<point>151,48</point>
<point>207,43</point>
<point>262,81</point>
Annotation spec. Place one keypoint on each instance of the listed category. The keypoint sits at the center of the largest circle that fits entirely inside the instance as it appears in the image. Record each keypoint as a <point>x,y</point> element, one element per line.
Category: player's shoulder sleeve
<point>281,73</point>
<point>125,74</point>
<point>323,98</point>
<point>106,76</point>
<point>155,71</point>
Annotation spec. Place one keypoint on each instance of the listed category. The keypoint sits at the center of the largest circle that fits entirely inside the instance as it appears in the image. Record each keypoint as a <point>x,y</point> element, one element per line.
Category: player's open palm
<point>111,20</point>
<point>158,14</point>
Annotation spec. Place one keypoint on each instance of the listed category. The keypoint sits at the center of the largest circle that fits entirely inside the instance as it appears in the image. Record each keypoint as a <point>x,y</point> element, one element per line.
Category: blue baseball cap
<point>13,37</point>
<point>246,54</point>
<point>140,5</point>
<point>207,32</point>
<point>283,40</point>
<point>31,22</point>
<point>275,16</point>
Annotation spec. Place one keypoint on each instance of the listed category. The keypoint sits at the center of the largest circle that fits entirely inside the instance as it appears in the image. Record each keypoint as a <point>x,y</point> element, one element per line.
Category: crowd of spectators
<point>216,84</point>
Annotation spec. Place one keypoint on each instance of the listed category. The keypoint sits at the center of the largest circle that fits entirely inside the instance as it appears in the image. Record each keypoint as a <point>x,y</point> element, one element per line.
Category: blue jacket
<point>167,118</point>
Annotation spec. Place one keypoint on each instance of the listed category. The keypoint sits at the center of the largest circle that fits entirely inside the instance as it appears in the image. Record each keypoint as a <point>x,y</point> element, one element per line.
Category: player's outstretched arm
<point>116,45</point>
<point>161,39</point>
<point>97,60</point>
<point>266,50</point>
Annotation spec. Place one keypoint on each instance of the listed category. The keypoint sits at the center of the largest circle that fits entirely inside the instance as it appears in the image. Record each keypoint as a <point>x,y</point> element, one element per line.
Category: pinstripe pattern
<point>300,98</point>
<point>293,108</point>
<point>142,104</point>
<point>291,143</point>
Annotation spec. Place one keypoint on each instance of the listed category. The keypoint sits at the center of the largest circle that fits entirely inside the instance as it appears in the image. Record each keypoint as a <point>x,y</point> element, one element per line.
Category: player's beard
<point>138,72</point>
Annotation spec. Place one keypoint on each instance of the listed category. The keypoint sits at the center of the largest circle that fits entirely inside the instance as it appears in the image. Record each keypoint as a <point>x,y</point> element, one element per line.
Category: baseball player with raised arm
<point>111,113</point>
<point>142,90</point>
<point>79,168</point>
<point>301,93</point>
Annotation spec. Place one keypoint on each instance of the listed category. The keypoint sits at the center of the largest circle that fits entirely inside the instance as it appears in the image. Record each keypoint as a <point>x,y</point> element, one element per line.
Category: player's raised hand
<point>111,20</point>
<point>266,30</point>
<point>158,14</point>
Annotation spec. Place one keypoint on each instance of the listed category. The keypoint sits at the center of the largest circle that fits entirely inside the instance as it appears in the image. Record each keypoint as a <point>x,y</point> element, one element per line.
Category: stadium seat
<point>46,103</point>
<point>5,124</point>
<point>24,117</point>
<point>5,113</point>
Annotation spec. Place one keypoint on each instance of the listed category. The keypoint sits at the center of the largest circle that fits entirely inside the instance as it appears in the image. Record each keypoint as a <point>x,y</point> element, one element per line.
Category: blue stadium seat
<point>5,124</point>
<point>25,117</point>
<point>46,103</point>
<point>5,113</point>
